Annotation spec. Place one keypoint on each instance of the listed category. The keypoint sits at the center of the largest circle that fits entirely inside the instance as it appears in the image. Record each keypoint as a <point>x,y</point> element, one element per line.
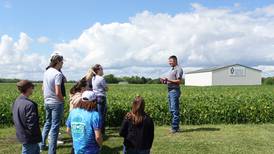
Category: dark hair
<point>96,68</point>
<point>24,85</point>
<point>78,86</point>
<point>173,57</point>
<point>89,106</point>
<point>55,60</point>
<point>137,113</point>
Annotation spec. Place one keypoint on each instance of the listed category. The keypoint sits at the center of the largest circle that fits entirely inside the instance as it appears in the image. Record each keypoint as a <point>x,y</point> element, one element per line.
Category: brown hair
<point>55,60</point>
<point>89,106</point>
<point>137,113</point>
<point>96,68</point>
<point>24,85</point>
<point>78,86</point>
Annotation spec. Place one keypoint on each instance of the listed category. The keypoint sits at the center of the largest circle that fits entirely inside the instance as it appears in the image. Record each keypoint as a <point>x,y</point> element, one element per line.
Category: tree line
<point>268,81</point>
<point>110,78</point>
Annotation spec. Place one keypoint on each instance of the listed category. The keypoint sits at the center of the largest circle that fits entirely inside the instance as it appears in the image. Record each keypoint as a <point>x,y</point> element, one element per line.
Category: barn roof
<point>219,67</point>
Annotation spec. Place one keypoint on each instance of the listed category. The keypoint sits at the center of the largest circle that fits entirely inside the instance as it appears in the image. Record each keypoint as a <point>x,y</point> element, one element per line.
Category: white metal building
<point>226,75</point>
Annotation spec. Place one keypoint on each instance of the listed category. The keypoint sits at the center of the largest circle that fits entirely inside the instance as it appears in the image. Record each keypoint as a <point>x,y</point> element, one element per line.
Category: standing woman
<point>137,129</point>
<point>100,87</point>
<point>54,102</point>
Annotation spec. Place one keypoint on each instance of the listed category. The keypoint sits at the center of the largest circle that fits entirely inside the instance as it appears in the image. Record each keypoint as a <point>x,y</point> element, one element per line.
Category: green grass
<point>208,139</point>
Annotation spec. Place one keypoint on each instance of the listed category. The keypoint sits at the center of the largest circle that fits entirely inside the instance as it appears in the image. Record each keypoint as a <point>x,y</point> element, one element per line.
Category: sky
<point>134,37</point>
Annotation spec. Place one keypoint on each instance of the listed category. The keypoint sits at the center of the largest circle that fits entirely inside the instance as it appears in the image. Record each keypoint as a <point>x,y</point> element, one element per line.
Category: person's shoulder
<point>25,102</point>
<point>148,118</point>
<point>95,113</point>
<point>76,111</point>
<point>100,78</point>
<point>178,67</point>
<point>53,71</point>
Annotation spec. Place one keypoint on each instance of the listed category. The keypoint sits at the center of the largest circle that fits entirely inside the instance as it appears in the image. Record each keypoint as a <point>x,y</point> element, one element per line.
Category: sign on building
<point>237,71</point>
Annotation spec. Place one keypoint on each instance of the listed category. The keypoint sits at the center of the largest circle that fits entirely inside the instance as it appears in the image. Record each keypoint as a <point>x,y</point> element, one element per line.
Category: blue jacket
<point>26,120</point>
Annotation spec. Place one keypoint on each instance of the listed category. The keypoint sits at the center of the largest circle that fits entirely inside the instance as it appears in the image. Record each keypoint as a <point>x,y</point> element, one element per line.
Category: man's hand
<point>163,80</point>
<point>175,81</point>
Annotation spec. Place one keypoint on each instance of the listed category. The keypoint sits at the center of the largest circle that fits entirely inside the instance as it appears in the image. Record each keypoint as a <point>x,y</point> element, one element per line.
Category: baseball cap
<point>88,96</point>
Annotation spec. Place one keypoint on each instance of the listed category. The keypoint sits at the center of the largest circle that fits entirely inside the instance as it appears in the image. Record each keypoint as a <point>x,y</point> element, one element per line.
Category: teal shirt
<point>82,124</point>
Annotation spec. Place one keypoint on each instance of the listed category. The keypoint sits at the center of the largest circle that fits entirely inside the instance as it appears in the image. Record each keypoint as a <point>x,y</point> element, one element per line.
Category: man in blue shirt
<point>84,125</point>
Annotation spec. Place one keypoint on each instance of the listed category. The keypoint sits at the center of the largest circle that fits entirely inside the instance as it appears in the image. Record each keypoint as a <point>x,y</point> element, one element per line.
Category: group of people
<point>88,107</point>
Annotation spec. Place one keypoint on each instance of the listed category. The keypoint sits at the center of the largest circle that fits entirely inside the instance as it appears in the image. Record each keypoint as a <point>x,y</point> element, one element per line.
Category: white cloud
<point>268,70</point>
<point>15,62</point>
<point>237,5</point>
<point>23,42</point>
<point>201,38</point>
<point>7,4</point>
<point>204,37</point>
<point>266,11</point>
<point>43,40</point>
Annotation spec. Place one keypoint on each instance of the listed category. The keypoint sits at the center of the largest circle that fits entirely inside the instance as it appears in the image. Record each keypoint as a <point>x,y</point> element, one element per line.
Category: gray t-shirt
<point>175,73</point>
<point>52,77</point>
<point>99,85</point>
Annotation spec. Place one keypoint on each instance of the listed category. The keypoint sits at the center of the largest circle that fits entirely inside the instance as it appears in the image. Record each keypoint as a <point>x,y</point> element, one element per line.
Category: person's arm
<point>96,124</point>
<point>179,76</point>
<point>68,130</point>
<point>151,132</point>
<point>32,120</point>
<point>68,123</point>
<point>98,137</point>
<point>179,81</point>
<point>123,130</point>
<point>104,84</point>
<point>58,91</point>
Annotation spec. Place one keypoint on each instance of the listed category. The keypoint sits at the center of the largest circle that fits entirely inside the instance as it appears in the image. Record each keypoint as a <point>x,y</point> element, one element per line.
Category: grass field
<point>202,139</point>
<point>198,105</point>
<point>211,109</point>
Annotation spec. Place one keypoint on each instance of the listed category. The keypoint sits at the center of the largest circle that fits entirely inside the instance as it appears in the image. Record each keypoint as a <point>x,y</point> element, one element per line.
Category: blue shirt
<point>82,124</point>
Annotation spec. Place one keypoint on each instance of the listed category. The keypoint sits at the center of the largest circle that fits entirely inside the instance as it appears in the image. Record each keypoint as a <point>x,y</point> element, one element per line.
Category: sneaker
<point>60,142</point>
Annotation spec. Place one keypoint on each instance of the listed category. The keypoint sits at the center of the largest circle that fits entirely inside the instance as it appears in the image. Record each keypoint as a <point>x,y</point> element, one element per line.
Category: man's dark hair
<point>173,57</point>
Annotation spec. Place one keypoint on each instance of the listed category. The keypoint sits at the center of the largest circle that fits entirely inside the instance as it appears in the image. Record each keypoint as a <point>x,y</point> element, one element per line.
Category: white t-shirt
<point>99,85</point>
<point>52,77</point>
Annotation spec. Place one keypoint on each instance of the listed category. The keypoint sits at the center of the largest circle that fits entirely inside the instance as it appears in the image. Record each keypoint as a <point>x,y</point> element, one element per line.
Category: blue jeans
<point>30,149</point>
<point>173,102</point>
<point>102,110</point>
<point>54,113</point>
<point>135,151</point>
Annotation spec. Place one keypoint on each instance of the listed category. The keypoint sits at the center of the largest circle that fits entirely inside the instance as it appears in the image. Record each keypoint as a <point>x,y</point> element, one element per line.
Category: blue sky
<point>62,21</point>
